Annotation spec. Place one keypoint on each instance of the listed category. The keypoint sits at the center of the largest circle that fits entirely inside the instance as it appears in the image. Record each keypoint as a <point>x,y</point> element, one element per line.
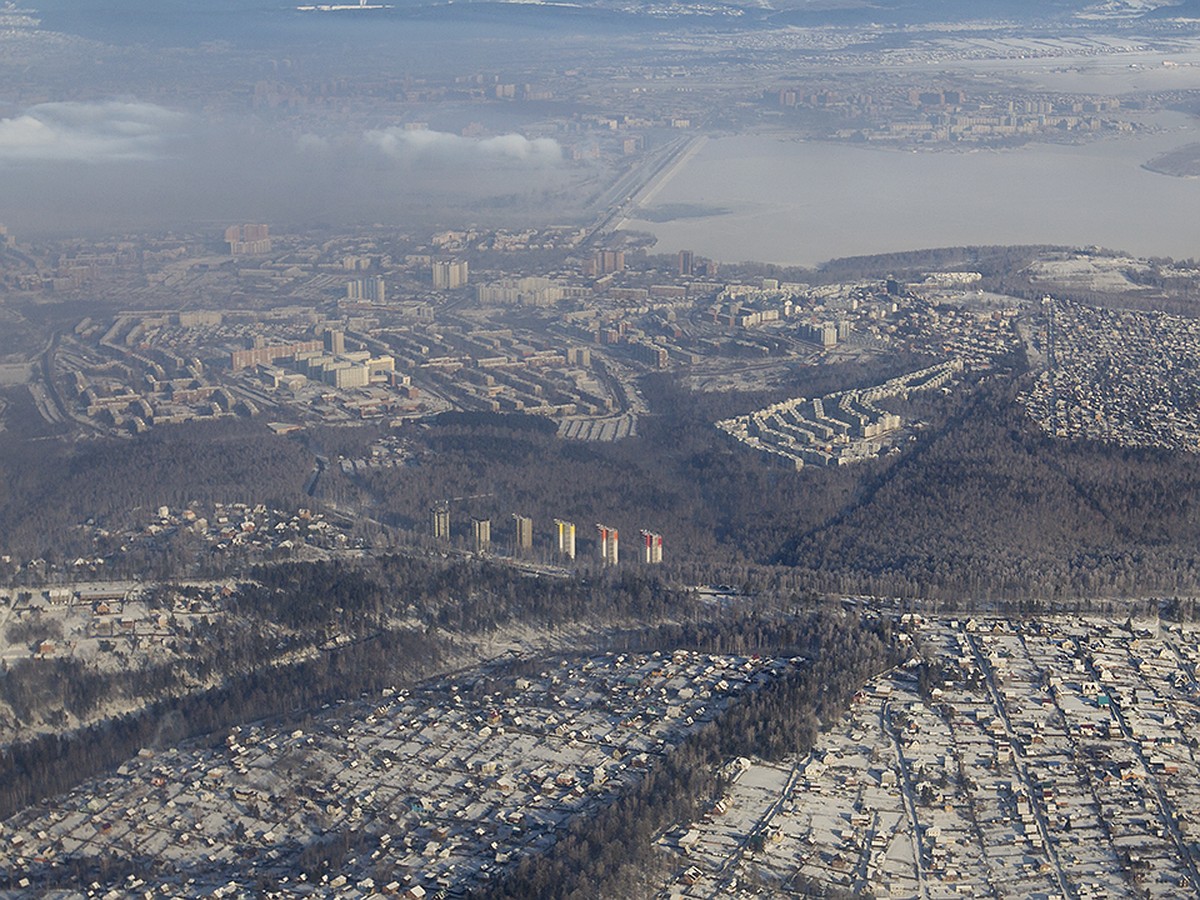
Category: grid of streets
<point>1052,758</point>
<point>432,790</point>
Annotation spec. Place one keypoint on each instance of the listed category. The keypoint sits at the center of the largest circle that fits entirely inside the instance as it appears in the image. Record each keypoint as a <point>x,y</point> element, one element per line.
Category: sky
<point>148,150</point>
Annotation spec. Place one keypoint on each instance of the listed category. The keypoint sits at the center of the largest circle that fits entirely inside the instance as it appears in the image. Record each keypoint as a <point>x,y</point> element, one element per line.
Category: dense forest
<point>988,507</point>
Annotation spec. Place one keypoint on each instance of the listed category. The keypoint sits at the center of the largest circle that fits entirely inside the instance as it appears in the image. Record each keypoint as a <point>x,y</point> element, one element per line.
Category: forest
<point>988,508</point>
<point>980,506</point>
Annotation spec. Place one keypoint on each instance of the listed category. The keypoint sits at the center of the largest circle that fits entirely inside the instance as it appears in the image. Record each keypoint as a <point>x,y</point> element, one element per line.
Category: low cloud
<point>110,131</point>
<point>440,147</point>
<point>96,167</point>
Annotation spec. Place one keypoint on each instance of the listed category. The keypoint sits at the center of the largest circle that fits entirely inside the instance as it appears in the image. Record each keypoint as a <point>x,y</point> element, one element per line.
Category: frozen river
<point>772,198</point>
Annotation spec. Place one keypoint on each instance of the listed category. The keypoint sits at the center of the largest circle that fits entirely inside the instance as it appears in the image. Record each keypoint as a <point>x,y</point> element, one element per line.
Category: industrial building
<point>353,368</point>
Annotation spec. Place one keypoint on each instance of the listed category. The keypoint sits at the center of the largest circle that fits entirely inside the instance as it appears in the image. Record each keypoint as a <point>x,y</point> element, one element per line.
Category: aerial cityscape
<point>535,450</point>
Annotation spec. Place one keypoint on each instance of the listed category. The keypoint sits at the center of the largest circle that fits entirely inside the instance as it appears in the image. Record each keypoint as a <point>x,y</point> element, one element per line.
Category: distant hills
<point>189,21</point>
<point>1188,9</point>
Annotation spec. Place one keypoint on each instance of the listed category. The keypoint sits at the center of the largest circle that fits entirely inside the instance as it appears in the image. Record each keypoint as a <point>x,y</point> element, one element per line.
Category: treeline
<point>55,691</point>
<point>989,260</point>
<point>33,687</point>
<point>296,607</point>
<point>1176,296</point>
<point>993,262</point>
<point>609,852</point>
<point>1166,286</point>
<point>463,596</point>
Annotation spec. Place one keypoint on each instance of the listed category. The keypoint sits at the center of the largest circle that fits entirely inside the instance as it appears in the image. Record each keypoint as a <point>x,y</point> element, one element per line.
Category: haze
<point>605,449</point>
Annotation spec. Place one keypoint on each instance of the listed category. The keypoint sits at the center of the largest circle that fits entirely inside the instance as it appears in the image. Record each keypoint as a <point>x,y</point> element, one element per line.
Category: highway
<point>641,183</point>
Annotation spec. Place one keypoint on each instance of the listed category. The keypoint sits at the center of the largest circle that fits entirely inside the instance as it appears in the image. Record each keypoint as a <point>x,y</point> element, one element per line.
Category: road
<point>1153,785</point>
<point>57,412</point>
<point>906,789</point>
<point>1021,768</point>
<point>640,182</point>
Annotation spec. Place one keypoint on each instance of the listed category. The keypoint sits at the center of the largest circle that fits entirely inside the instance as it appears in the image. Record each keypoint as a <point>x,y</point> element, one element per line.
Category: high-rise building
<point>566,538</point>
<point>608,545</point>
<point>372,289</point>
<point>607,261</point>
<point>441,522</point>
<point>823,333</point>
<point>481,535</point>
<point>687,262</point>
<point>449,274</point>
<point>334,341</point>
<point>523,532</point>
<point>248,240</point>
<point>652,547</point>
<point>532,290</point>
